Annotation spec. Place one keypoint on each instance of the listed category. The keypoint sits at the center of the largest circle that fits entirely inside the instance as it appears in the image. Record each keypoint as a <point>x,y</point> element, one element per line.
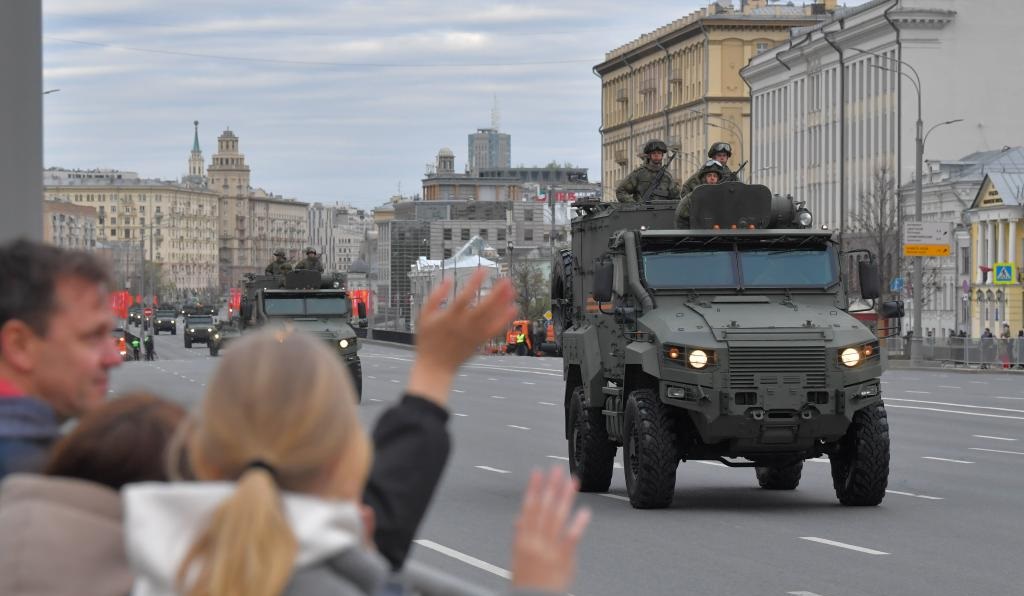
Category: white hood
<point>163,519</point>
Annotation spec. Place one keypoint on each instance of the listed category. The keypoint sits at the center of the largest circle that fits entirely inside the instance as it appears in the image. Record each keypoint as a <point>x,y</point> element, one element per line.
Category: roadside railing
<point>961,352</point>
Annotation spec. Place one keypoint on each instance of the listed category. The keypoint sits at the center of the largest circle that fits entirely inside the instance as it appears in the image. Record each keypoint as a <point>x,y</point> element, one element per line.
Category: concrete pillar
<point>977,242</point>
<point>990,257</point>
<point>1011,243</point>
<point>1000,241</point>
<point>21,119</point>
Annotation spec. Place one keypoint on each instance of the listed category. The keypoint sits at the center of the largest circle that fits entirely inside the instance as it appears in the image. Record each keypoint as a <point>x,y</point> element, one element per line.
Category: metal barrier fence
<point>992,352</point>
<point>398,337</point>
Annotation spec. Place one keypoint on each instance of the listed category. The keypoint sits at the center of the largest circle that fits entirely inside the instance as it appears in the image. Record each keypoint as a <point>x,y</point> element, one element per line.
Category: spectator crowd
<point>270,486</point>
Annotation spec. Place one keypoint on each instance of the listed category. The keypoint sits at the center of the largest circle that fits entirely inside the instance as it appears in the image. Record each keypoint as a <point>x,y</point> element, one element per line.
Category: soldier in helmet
<point>720,152</point>
<point>311,262</point>
<point>279,265</point>
<point>634,186</point>
<point>711,173</point>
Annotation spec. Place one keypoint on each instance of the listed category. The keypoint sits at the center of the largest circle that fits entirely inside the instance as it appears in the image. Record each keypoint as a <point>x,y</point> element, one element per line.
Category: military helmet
<point>310,249</point>
<point>712,166</point>
<point>655,145</point>
<point>279,253</point>
<point>720,147</point>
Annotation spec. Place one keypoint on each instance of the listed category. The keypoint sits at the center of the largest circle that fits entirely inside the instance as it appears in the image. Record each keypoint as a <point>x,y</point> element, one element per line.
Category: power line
<point>318,63</point>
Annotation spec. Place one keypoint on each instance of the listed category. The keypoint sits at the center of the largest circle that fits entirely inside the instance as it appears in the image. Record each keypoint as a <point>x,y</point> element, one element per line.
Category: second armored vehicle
<point>729,341</point>
<point>165,320</point>
<point>198,328</point>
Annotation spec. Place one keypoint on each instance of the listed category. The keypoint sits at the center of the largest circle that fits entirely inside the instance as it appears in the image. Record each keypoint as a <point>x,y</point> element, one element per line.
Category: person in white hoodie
<point>282,462</point>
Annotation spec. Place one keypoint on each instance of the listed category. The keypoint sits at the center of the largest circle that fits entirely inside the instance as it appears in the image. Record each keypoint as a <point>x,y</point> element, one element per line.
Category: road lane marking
<point>996,451</point>
<point>955,461</point>
<point>374,399</point>
<point>528,383</point>
<point>490,469</point>
<point>394,380</point>
<point>956,412</point>
<point>546,403</point>
<point>491,379</point>
<point>558,457</point>
<point>979,382</point>
<point>461,415</point>
<point>497,397</point>
<point>710,463</point>
<point>803,594</point>
<point>467,559</point>
<point>371,377</point>
<point>457,391</point>
<point>611,496</point>
<point>993,438</point>
<point>944,403</point>
<point>463,375</point>
<point>949,387</point>
<point>517,426</point>
<point>853,547</point>
<point>1005,397</point>
<point>912,391</point>
<point>897,492</point>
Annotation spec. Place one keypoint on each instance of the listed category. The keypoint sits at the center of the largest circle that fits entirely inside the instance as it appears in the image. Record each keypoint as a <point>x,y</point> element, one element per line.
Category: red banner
<point>359,297</point>
<point>234,299</point>
<point>119,302</point>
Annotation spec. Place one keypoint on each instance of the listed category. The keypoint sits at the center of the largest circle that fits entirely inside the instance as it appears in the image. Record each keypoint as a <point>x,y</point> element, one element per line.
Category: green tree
<point>533,296</point>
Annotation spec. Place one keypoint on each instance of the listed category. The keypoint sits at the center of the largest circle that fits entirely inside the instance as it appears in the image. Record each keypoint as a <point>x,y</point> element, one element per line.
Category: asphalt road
<point>952,523</point>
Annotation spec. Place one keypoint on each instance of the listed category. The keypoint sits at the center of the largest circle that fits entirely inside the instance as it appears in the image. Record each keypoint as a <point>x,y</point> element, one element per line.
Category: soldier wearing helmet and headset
<point>638,185</point>
<point>720,152</point>
<point>712,173</point>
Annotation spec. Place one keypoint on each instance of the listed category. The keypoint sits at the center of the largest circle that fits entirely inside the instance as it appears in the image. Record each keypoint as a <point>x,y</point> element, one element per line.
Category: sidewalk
<point>933,366</point>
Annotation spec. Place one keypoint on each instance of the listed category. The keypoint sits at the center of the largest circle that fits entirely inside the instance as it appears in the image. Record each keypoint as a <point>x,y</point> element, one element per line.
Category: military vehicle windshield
<point>306,306</point>
<point>202,320</point>
<point>741,266</point>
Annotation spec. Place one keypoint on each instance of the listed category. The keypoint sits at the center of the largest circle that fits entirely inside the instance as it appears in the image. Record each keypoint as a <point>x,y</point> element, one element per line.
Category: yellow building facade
<point>996,220</point>
<point>681,83</point>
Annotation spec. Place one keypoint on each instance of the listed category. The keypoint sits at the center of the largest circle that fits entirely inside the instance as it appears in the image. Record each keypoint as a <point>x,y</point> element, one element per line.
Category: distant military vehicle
<point>308,301</point>
<point>165,319</point>
<point>224,332</point>
<point>197,328</point>
<point>728,341</point>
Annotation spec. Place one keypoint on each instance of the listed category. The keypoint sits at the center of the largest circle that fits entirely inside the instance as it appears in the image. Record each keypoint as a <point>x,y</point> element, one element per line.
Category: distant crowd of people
<point>271,486</point>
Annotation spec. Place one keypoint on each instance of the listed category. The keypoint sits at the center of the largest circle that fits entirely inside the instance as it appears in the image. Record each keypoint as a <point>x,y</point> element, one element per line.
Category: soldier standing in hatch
<point>720,152</point>
<point>711,173</point>
<point>279,265</point>
<point>311,262</point>
<point>634,186</point>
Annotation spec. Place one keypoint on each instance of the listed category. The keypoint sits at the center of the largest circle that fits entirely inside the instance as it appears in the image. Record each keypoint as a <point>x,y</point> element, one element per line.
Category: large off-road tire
<point>188,344</point>
<point>175,330</point>
<point>355,368</point>
<point>562,308</point>
<point>214,349</point>
<point>860,466</point>
<point>779,477</point>
<point>591,453</point>
<point>649,450</point>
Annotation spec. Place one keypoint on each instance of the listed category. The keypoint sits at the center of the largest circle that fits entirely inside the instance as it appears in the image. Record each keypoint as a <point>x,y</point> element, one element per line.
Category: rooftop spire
<point>195,142</point>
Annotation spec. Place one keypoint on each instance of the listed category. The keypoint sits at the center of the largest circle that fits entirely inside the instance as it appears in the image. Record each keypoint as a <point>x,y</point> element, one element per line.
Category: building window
<point>465,234</point>
<point>501,234</point>
<point>447,253</point>
<point>127,233</point>
<point>483,234</point>
<point>965,261</point>
<point>113,221</point>
<point>528,215</point>
<point>762,47</point>
<point>446,234</point>
<point>528,235</point>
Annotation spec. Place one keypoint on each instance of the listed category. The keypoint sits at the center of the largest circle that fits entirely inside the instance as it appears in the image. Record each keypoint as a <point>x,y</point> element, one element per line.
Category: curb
<point>967,371</point>
<point>389,344</point>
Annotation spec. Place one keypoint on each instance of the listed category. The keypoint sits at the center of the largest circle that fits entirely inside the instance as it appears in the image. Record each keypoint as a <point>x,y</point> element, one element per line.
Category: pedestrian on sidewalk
<point>56,349</point>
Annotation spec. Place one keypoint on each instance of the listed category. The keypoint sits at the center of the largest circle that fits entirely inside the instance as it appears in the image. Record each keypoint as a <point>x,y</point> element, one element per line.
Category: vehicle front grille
<point>754,367</point>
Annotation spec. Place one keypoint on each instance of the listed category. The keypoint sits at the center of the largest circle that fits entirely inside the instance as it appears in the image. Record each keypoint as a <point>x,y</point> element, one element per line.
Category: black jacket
<point>411,446</point>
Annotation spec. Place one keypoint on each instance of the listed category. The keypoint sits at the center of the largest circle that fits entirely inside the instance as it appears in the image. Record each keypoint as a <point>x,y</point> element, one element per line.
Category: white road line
<point>803,594</point>
<point>1005,397</point>
<point>611,496</point>
<point>956,412</point>
<point>546,403</point>
<point>955,461</point>
<point>710,463</point>
<point>528,383</point>
<point>463,375</point>
<point>457,391</point>
<point>860,549</point>
<point>497,397</point>
<point>949,387</point>
<point>558,457</point>
<point>467,559</point>
<point>370,377</point>
<point>461,415</point>
<point>993,438</point>
<point>996,451</point>
<point>897,492</point>
<point>517,426</point>
<point>912,391</point>
<point>374,399</point>
<point>490,379</point>
<point>490,469</point>
<point>979,382</point>
<point>945,403</point>
<point>394,380</point>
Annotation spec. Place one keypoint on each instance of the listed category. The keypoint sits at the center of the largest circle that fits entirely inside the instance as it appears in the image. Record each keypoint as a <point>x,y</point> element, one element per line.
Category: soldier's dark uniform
<point>633,187</point>
<point>278,266</point>
<point>683,209</point>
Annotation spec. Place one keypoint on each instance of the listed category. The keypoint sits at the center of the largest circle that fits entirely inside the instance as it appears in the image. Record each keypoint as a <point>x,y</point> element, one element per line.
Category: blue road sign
<point>896,285</point>
<point>1004,273</point>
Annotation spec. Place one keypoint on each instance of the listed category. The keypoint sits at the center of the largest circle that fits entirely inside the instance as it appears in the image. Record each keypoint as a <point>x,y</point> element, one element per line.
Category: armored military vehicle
<point>197,329</point>
<point>728,341</point>
<point>165,319</point>
<point>224,332</point>
<point>307,301</point>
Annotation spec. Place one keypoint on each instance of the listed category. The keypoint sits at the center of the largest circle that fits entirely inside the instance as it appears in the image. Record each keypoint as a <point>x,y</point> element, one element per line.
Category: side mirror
<point>604,275</point>
<point>892,310</point>
<point>361,310</point>
<point>868,273</point>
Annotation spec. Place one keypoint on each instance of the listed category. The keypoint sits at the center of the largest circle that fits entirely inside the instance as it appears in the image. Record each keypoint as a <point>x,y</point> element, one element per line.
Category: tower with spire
<point>195,160</point>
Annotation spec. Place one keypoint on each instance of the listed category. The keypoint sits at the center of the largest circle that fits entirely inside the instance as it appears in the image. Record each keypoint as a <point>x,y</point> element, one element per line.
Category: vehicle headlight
<point>697,359</point>
<point>216,336</point>
<point>343,343</point>
<point>191,330</point>
<point>856,355</point>
<point>804,218</point>
<point>208,330</point>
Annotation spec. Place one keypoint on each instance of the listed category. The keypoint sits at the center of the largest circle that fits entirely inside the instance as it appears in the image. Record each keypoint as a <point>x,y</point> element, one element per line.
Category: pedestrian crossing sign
<point>1005,274</point>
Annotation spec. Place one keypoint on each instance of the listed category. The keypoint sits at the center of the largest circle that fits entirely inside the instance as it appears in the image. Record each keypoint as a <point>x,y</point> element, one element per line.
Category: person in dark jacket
<point>281,463</point>
<point>56,350</point>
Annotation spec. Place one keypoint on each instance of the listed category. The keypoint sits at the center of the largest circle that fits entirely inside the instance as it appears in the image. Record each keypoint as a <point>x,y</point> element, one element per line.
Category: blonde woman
<point>283,461</point>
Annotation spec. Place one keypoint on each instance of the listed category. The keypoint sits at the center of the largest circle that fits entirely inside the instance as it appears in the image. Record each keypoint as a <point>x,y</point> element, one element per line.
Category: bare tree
<point>875,225</point>
<point>532,290</point>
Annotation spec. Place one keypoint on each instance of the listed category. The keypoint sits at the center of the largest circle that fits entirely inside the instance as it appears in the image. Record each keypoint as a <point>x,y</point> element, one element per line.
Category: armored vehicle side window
<point>813,267</point>
<point>327,305</point>
<point>697,269</point>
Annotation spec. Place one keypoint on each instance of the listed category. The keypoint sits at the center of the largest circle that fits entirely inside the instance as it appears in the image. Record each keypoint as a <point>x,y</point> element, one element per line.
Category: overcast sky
<point>331,100</point>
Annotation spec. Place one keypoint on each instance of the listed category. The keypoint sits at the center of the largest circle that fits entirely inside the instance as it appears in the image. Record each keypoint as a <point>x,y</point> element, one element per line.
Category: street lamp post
<point>917,275</point>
